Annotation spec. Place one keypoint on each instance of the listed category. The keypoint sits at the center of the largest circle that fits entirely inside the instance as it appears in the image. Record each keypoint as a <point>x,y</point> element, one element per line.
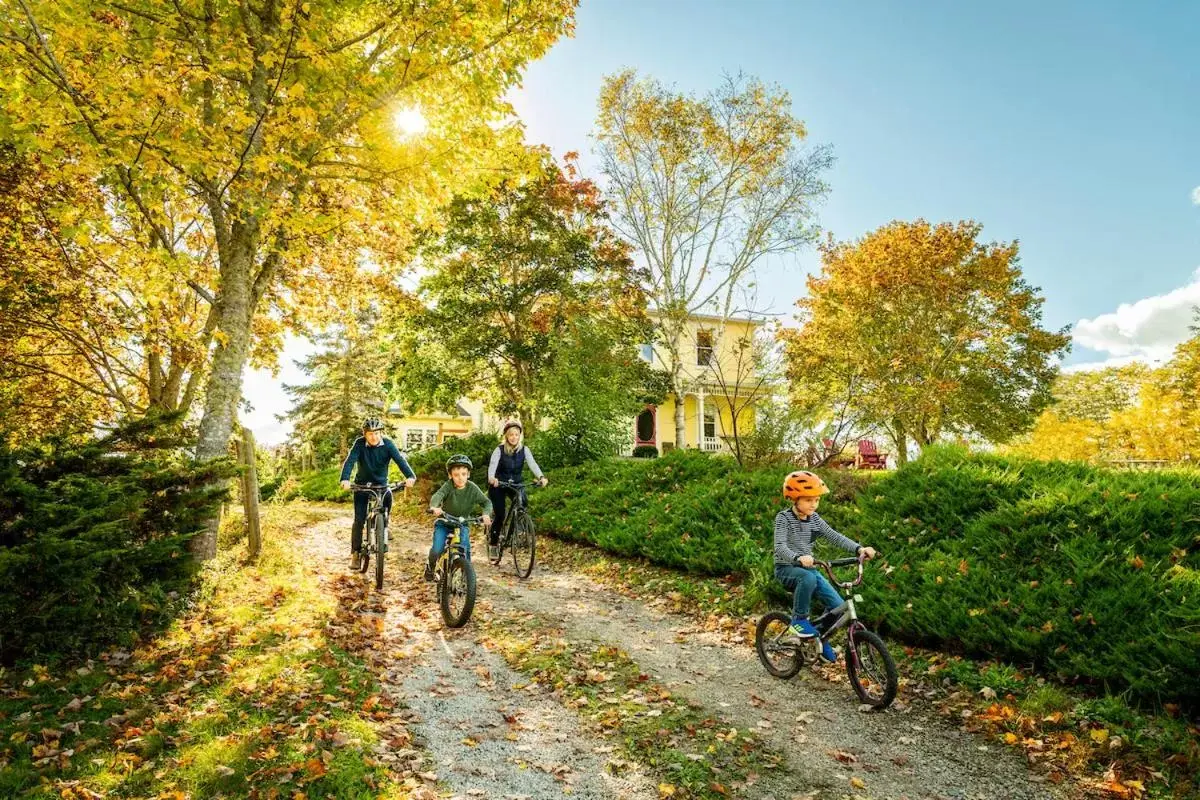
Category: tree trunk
<point>680,425</point>
<point>235,309</point>
<point>900,439</point>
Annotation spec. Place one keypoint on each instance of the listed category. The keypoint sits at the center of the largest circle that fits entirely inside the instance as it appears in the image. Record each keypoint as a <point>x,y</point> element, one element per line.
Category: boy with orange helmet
<point>795,530</point>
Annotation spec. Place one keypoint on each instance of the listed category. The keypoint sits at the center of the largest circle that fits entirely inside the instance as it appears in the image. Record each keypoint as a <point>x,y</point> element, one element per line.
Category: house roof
<point>715,318</point>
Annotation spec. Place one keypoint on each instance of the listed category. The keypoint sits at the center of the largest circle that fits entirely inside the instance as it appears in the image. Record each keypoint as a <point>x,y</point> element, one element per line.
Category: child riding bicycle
<point>795,530</point>
<point>505,466</point>
<point>373,453</point>
<point>459,497</point>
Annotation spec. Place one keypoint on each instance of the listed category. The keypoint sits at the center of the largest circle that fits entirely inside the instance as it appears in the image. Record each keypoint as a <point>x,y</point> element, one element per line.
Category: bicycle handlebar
<point>859,559</point>
<point>515,485</point>
<point>374,487</point>
<point>458,520</point>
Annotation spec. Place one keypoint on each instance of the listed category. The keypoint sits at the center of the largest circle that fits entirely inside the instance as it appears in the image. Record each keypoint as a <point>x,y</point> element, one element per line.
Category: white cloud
<point>1147,330</point>
<point>1196,196</point>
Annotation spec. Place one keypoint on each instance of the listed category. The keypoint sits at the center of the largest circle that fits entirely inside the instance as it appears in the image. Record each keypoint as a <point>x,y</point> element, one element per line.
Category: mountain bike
<point>516,531</point>
<point>870,666</point>
<point>375,530</point>
<point>454,575</point>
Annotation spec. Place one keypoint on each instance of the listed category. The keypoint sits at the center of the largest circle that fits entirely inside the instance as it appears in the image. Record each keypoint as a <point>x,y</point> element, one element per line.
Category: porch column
<point>700,418</point>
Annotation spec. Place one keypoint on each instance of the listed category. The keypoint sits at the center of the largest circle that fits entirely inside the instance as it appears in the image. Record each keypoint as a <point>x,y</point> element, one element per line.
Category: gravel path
<point>488,738</point>
<point>480,736</point>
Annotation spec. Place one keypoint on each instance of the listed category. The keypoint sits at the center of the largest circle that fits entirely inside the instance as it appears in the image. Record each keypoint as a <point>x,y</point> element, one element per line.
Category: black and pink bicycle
<point>871,668</point>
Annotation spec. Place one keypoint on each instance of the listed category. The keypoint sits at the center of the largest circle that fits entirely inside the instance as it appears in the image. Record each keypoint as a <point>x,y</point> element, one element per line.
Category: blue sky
<point>1072,129</point>
<point>1071,126</point>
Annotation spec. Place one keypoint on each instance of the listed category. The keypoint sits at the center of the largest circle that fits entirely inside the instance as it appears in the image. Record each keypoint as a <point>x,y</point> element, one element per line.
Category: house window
<point>710,423</point>
<point>646,353</point>
<point>420,438</point>
<point>704,348</point>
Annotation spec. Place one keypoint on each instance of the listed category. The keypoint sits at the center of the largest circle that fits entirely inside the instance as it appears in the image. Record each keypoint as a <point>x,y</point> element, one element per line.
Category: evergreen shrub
<point>93,536</point>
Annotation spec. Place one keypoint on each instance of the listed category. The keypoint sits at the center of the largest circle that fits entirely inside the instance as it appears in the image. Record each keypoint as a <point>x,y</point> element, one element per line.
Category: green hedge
<point>93,536</point>
<point>1090,573</point>
<point>693,511</point>
<point>1086,572</point>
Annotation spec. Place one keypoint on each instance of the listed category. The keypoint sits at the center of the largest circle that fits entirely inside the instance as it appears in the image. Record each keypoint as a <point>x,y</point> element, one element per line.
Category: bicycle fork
<point>847,618</point>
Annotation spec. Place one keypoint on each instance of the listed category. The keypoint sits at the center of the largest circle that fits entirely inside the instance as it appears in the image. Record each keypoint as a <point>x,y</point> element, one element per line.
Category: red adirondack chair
<point>869,456</point>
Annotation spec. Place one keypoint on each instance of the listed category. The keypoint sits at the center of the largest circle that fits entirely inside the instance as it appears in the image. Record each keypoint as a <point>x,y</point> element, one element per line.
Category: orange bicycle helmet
<point>803,483</point>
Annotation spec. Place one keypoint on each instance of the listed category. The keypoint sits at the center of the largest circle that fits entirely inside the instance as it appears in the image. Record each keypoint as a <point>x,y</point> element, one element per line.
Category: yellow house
<point>718,369</point>
<point>420,431</point>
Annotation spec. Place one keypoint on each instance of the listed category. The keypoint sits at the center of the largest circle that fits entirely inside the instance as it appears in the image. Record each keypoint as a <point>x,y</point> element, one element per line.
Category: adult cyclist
<point>373,453</point>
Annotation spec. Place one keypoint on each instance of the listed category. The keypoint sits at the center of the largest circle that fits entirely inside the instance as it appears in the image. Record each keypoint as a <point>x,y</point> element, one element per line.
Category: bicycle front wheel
<point>524,545</point>
<point>458,592</point>
<point>365,553</point>
<point>781,660</point>
<point>871,668</point>
<point>380,544</point>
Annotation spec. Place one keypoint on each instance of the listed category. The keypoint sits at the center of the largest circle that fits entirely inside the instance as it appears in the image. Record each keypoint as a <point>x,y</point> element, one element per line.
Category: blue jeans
<point>441,531</point>
<point>804,582</point>
<point>360,516</point>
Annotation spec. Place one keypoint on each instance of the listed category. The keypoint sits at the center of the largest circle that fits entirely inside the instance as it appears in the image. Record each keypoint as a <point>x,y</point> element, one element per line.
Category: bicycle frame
<point>514,491</point>
<point>454,537</point>
<point>848,617</point>
<point>378,492</point>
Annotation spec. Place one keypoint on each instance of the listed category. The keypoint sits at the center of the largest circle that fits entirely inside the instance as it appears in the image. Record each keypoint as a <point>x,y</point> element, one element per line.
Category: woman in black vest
<point>507,464</point>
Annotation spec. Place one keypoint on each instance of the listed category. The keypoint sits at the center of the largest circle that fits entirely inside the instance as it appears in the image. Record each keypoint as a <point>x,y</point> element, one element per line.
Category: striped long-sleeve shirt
<point>794,536</point>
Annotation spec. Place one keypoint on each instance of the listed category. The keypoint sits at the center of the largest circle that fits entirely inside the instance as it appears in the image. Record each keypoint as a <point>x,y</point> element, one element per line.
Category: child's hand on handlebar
<point>408,482</point>
<point>346,485</point>
<point>543,480</point>
<point>805,561</point>
<point>869,552</point>
<point>486,519</point>
<point>493,482</point>
<point>437,512</point>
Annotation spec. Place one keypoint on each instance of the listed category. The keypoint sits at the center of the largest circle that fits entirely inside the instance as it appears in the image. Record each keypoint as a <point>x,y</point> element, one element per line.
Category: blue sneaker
<point>798,632</point>
<point>828,654</point>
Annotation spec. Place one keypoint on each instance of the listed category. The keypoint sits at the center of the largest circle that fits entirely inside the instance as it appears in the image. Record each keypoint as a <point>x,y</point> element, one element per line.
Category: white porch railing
<point>712,445</point>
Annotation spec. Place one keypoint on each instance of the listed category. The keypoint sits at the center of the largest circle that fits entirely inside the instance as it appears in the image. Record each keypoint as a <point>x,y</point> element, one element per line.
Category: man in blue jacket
<point>373,453</point>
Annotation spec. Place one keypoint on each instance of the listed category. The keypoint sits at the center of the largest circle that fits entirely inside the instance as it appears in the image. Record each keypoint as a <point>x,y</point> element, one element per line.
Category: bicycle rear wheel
<point>871,668</point>
<point>781,660</point>
<point>380,543</point>
<point>458,592</point>
<point>523,544</point>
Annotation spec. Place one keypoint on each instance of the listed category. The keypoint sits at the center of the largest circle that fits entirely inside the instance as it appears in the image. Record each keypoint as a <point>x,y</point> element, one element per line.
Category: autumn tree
<point>94,325</point>
<point>704,189</point>
<point>275,121</point>
<point>507,279</point>
<point>940,333</point>
<point>1096,394</point>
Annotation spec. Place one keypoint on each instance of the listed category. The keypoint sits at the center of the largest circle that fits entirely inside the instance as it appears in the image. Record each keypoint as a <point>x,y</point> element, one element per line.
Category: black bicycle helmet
<point>459,460</point>
<point>511,424</point>
<point>372,424</point>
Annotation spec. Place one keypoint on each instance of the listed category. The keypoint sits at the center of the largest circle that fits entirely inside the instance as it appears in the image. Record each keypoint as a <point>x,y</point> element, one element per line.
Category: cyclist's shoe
<point>799,632</point>
<point>356,561</point>
<point>429,573</point>
<point>493,552</point>
<point>828,654</point>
